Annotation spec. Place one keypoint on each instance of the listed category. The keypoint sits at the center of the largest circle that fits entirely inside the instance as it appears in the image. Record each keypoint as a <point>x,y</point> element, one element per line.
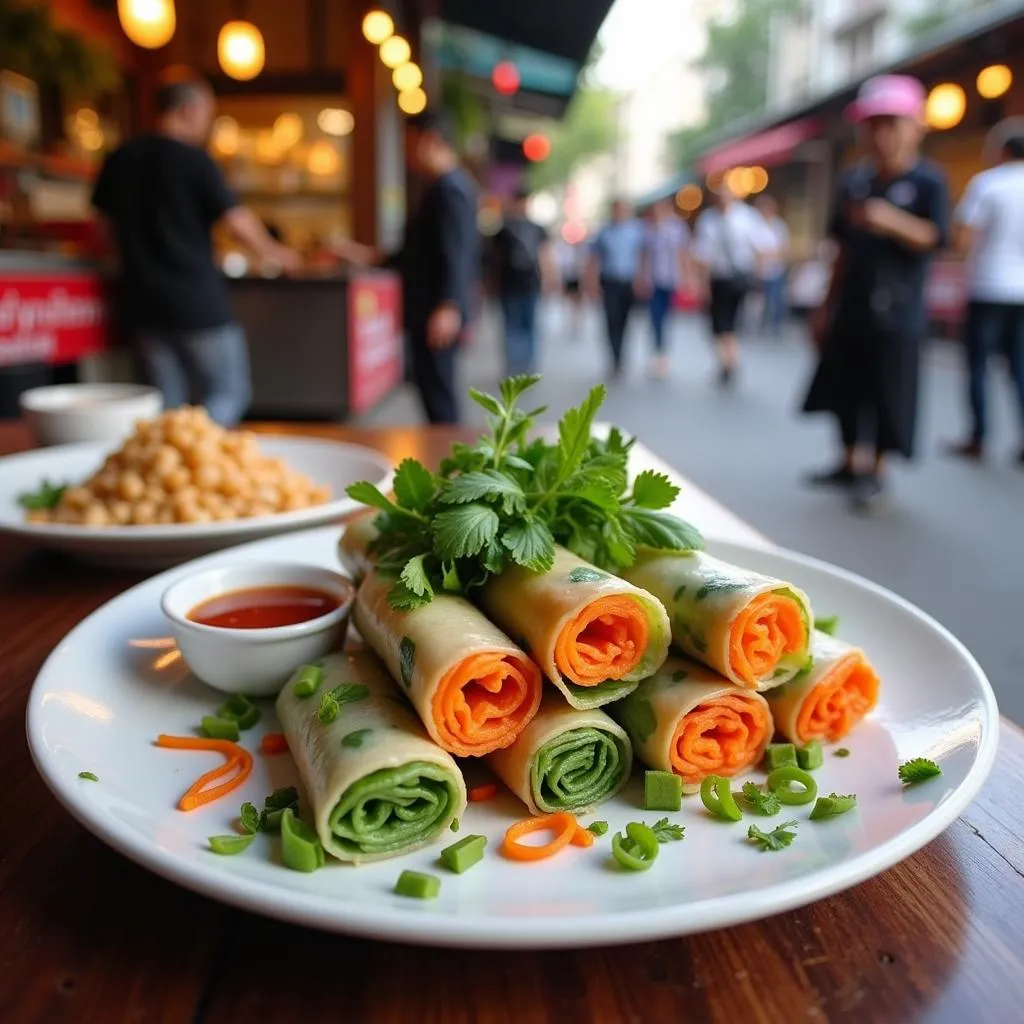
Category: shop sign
<point>374,339</point>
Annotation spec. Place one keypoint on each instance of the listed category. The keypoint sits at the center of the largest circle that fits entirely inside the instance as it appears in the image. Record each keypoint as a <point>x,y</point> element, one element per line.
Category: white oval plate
<point>99,703</point>
<point>149,547</point>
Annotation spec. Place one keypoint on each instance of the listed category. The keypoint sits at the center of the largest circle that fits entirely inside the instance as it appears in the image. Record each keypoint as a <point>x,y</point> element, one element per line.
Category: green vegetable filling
<point>577,768</point>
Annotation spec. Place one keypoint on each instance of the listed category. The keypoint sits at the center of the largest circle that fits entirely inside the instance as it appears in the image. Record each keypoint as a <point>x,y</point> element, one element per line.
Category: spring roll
<point>565,759</point>
<point>827,701</point>
<point>355,541</point>
<point>594,635</point>
<point>753,629</point>
<point>687,719</point>
<point>473,688</point>
<point>376,784</point>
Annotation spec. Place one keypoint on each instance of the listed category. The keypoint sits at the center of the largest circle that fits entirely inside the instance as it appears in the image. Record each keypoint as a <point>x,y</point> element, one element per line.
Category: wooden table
<point>86,935</point>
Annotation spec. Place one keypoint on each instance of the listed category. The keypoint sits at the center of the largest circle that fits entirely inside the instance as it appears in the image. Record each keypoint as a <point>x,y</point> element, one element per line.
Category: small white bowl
<point>256,662</point>
<point>69,413</point>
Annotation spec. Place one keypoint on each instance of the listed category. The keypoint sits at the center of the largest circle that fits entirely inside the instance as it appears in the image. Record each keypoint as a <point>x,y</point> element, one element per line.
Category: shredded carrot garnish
<point>562,824</point>
<point>487,791</point>
<point>239,761</point>
<point>582,837</point>
<point>274,743</point>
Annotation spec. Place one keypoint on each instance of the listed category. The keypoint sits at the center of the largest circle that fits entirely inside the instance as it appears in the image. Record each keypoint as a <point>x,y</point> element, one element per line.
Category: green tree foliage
<point>938,13</point>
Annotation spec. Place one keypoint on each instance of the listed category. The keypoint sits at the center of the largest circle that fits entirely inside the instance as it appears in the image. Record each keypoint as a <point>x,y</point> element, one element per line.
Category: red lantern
<point>536,147</point>
<point>505,78</point>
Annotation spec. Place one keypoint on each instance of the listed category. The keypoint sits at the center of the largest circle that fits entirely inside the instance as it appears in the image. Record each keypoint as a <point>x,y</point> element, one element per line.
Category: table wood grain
<point>86,935</point>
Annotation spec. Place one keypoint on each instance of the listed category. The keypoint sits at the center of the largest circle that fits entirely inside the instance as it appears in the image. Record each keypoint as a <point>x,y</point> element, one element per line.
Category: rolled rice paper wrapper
<point>754,630</point>
<point>355,539</point>
<point>687,719</point>
<point>826,702</point>
<point>566,759</point>
<point>594,635</point>
<point>378,787</point>
<point>472,687</point>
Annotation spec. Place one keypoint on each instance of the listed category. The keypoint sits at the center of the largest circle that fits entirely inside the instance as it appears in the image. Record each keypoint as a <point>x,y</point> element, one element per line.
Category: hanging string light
<point>241,50</point>
<point>147,23</point>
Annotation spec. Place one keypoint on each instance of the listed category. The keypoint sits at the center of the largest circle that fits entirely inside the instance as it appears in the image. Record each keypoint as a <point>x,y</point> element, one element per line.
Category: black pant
<point>618,301</point>
<point>991,327</point>
<point>434,375</point>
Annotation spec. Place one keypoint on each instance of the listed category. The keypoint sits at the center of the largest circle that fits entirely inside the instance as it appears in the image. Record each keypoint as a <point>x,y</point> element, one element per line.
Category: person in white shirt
<point>664,262</point>
<point>990,228</point>
<point>774,265</point>
<point>729,245</point>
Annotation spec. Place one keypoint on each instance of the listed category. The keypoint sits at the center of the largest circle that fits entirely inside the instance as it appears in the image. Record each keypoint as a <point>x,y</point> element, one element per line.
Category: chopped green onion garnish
<point>841,752</point>
<point>228,846</point>
<point>718,799</point>
<point>300,847</point>
<point>833,804</point>
<point>308,681</point>
<point>810,756</point>
<point>238,708</point>
<point>637,850</point>
<point>89,776</point>
<point>598,827</point>
<point>778,755</point>
<point>418,886</point>
<point>220,728</point>
<point>461,856</point>
<point>779,780</point>
<point>918,770</point>
<point>663,791</point>
<point>250,817</point>
<point>270,821</point>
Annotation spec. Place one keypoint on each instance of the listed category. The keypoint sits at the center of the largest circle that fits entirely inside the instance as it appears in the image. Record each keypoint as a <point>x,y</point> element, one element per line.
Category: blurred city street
<point>946,540</point>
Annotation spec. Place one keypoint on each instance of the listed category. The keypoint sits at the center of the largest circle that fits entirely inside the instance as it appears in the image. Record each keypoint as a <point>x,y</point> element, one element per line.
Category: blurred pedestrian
<point>570,259</point>
<point>614,263</point>
<point>523,267</point>
<point>989,226</point>
<point>440,262</point>
<point>774,265</point>
<point>160,196</point>
<point>808,281</point>
<point>729,243</point>
<point>664,265</point>
<point>890,216</point>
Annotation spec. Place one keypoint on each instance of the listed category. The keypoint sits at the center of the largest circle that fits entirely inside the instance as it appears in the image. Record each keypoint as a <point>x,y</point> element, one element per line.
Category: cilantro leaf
<point>759,801</point>
<point>414,485</point>
<point>332,701</point>
<point>464,531</point>
<point>662,530</point>
<point>778,839</point>
<point>827,625</point>
<point>488,483</point>
<point>666,831</point>
<point>402,599</point>
<point>918,769</point>
<point>530,544</point>
<point>367,494</point>
<point>47,497</point>
<point>653,490</point>
<point>414,576</point>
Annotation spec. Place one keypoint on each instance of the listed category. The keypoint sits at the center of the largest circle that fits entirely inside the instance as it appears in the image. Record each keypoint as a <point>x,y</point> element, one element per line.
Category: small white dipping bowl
<point>256,662</point>
<point>69,413</point>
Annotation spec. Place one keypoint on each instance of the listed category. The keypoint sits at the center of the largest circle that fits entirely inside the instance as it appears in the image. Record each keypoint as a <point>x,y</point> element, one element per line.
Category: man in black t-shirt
<point>891,215</point>
<point>160,196</point>
<point>522,265</point>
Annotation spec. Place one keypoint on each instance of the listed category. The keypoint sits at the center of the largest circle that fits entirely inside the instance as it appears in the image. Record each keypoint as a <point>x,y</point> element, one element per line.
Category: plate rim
<point>594,930</point>
<point>132,536</point>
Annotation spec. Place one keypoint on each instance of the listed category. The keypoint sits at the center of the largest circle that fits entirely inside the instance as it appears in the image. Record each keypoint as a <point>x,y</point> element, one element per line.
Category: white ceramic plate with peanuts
<point>331,464</point>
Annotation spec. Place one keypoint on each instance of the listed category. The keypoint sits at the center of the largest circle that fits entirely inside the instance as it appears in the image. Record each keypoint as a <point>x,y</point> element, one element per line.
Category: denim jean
<point>520,309</point>
<point>659,305</point>
<point>993,327</point>
<point>208,366</point>
<point>774,303</point>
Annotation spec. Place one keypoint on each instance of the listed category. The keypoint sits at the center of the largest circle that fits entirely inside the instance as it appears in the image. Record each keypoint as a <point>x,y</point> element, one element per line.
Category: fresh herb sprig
<point>47,497</point>
<point>666,831</point>
<point>778,839</point>
<point>508,501</point>
<point>918,769</point>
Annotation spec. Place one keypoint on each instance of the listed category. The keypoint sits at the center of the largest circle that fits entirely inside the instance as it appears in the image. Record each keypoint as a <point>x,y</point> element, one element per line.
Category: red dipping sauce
<point>264,607</point>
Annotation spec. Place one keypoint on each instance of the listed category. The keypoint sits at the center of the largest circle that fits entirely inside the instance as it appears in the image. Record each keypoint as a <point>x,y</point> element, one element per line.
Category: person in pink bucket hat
<point>891,215</point>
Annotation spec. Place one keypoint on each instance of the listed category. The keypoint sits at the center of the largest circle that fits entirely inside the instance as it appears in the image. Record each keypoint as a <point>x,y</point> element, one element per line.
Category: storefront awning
<point>768,148</point>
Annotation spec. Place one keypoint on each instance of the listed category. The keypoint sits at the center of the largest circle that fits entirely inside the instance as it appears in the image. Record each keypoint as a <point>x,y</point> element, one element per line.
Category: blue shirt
<point>618,247</point>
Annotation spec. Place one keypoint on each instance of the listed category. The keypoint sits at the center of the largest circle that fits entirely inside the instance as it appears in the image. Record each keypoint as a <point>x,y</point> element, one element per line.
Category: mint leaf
<point>574,430</point>
<point>414,576</point>
<point>464,531</point>
<point>530,544</point>
<point>661,530</point>
<point>414,485</point>
<point>653,490</point>
<point>367,494</point>
<point>827,625</point>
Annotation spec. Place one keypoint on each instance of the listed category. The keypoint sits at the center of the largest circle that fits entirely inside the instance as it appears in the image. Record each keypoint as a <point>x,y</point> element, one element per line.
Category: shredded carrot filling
<point>723,736</point>
<point>769,628</point>
<point>202,791</point>
<point>274,743</point>
<point>562,825</point>
<point>486,791</point>
<point>846,694</point>
<point>485,701</point>
<point>607,640</point>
